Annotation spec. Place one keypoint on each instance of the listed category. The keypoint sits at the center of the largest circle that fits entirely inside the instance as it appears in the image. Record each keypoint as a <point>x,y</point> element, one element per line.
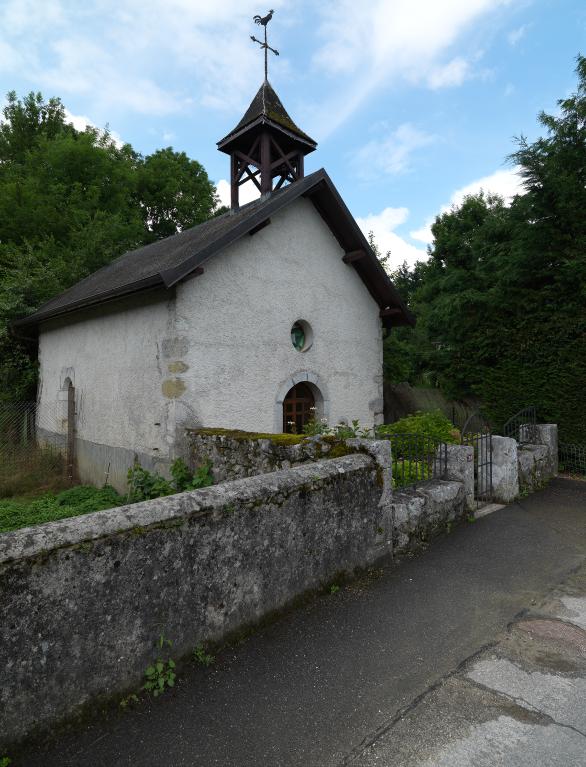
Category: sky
<point>413,103</point>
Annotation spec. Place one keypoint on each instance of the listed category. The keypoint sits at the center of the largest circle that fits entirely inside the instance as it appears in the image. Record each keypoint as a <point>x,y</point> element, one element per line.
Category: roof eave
<point>225,143</point>
<point>148,283</point>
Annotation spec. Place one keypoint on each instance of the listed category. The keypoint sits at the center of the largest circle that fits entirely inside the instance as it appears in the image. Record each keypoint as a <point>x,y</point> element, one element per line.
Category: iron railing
<point>572,458</point>
<point>477,434</point>
<point>522,426</point>
<point>416,458</point>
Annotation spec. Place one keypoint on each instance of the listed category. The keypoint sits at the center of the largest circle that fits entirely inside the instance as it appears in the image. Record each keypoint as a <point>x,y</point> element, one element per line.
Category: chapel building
<point>259,319</point>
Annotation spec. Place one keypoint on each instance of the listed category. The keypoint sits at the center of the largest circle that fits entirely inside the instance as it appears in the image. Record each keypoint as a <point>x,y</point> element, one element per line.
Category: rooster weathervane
<point>263,21</point>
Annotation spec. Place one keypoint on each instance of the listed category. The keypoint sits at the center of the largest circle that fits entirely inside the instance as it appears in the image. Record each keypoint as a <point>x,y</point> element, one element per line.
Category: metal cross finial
<point>263,21</point>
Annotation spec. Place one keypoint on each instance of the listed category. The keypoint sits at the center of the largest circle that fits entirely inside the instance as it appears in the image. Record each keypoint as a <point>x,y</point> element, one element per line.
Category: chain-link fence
<point>36,446</point>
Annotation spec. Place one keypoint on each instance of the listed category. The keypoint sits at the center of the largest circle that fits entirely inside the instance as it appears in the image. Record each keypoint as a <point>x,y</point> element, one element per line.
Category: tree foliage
<point>501,302</point>
<point>70,202</point>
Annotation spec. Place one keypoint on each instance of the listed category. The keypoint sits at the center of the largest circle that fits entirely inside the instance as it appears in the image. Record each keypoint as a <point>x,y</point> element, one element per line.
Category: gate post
<point>505,469</point>
<point>460,468</point>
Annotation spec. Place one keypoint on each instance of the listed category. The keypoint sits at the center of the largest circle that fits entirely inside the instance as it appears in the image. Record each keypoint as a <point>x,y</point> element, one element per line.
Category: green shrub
<point>145,485</point>
<point>433,424</point>
<point>185,479</point>
<point>409,472</point>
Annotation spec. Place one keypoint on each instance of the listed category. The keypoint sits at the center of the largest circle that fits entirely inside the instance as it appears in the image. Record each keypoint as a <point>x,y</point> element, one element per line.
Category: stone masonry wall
<point>538,462</point>
<point>421,513</point>
<point>83,600</point>
<point>243,454</point>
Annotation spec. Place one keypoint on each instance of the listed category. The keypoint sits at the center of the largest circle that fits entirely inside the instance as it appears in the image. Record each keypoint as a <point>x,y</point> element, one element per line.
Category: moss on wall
<point>244,436</point>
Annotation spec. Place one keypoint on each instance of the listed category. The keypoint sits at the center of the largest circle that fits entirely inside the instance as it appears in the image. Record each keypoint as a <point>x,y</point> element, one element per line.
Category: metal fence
<point>477,434</point>
<point>572,458</point>
<point>522,426</point>
<point>416,458</point>
<point>36,445</point>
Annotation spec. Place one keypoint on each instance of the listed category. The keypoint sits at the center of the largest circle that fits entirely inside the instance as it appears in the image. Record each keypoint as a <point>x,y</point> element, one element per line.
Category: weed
<point>5,761</point>
<point>201,656</point>
<point>334,588</point>
<point>144,485</point>
<point>448,527</point>
<point>125,702</point>
<point>471,518</point>
<point>161,674</point>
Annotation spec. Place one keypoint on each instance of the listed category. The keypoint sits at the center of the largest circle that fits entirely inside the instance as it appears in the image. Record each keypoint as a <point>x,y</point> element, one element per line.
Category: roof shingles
<point>166,262</point>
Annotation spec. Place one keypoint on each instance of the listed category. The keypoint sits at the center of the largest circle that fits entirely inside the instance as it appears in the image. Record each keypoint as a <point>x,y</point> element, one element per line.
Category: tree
<point>383,259</point>
<point>175,191</point>
<point>501,303</point>
<point>70,202</point>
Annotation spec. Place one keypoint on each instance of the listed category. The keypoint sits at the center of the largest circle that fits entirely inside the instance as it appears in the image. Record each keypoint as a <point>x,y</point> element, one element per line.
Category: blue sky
<point>413,102</point>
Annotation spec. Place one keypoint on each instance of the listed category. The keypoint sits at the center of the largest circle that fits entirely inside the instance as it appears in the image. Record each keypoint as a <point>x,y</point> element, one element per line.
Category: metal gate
<point>476,432</point>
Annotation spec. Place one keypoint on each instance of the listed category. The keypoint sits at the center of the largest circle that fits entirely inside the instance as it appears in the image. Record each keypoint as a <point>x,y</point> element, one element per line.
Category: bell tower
<point>266,144</point>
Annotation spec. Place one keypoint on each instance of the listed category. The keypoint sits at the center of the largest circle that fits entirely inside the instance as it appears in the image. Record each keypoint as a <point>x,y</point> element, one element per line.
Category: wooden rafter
<point>353,255</point>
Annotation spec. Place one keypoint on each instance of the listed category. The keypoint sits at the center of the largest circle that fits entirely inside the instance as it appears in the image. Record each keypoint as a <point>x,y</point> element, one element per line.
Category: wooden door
<point>298,408</point>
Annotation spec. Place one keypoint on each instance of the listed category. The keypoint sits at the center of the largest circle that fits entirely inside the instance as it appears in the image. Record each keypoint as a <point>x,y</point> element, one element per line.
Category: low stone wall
<point>538,462</point>
<point>83,600</point>
<point>421,513</point>
<point>236,454</point>
<point>526,467</point>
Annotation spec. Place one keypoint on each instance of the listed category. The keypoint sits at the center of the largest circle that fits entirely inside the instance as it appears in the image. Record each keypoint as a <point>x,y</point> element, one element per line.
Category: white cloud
<point>81,122</point>
<point>121,53</point>
<point>390,42</point>
<point>506,183</point>
<point>383,225</point>
<point>517,34</point>
<point>452,74</point>
<point>248,192</point>
<point>391,154</point>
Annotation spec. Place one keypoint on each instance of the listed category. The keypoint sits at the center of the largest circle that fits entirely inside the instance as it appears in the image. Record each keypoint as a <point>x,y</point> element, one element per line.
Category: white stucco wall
<point>238,317</point>
<point>217,351</point>
<point>113,357</point>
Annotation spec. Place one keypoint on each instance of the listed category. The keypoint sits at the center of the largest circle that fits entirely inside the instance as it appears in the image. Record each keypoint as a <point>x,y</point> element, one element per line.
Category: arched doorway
<point>298,408</point>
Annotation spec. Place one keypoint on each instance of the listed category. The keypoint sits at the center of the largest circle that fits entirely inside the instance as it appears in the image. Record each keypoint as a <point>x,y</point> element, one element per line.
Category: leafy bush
<point>434,425</point>
<point>145,485</point>
<point>185,479</point>
<point>407,472</point>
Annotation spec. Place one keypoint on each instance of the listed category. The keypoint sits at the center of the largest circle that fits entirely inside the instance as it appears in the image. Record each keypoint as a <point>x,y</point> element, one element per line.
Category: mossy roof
<point>266,104</point>
<point>164,263</point>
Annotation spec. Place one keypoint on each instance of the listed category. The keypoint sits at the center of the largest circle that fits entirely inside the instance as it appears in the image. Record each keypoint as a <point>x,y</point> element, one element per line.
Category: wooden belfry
<point>266,144</point>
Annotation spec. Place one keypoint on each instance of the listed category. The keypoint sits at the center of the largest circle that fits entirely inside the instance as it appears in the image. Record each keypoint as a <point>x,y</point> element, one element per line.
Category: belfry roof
<point>267,107</point>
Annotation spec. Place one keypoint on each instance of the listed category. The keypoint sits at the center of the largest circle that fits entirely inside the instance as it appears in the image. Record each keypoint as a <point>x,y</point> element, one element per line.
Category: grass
<point>26,469</point>
<point>34,509</point>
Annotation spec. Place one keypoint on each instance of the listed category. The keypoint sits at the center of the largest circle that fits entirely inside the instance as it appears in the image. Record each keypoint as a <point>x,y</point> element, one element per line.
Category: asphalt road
<point>325,683</point>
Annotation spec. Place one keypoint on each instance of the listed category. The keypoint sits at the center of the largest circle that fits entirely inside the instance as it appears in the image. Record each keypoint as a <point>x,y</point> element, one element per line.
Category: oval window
<point>301,335</point>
